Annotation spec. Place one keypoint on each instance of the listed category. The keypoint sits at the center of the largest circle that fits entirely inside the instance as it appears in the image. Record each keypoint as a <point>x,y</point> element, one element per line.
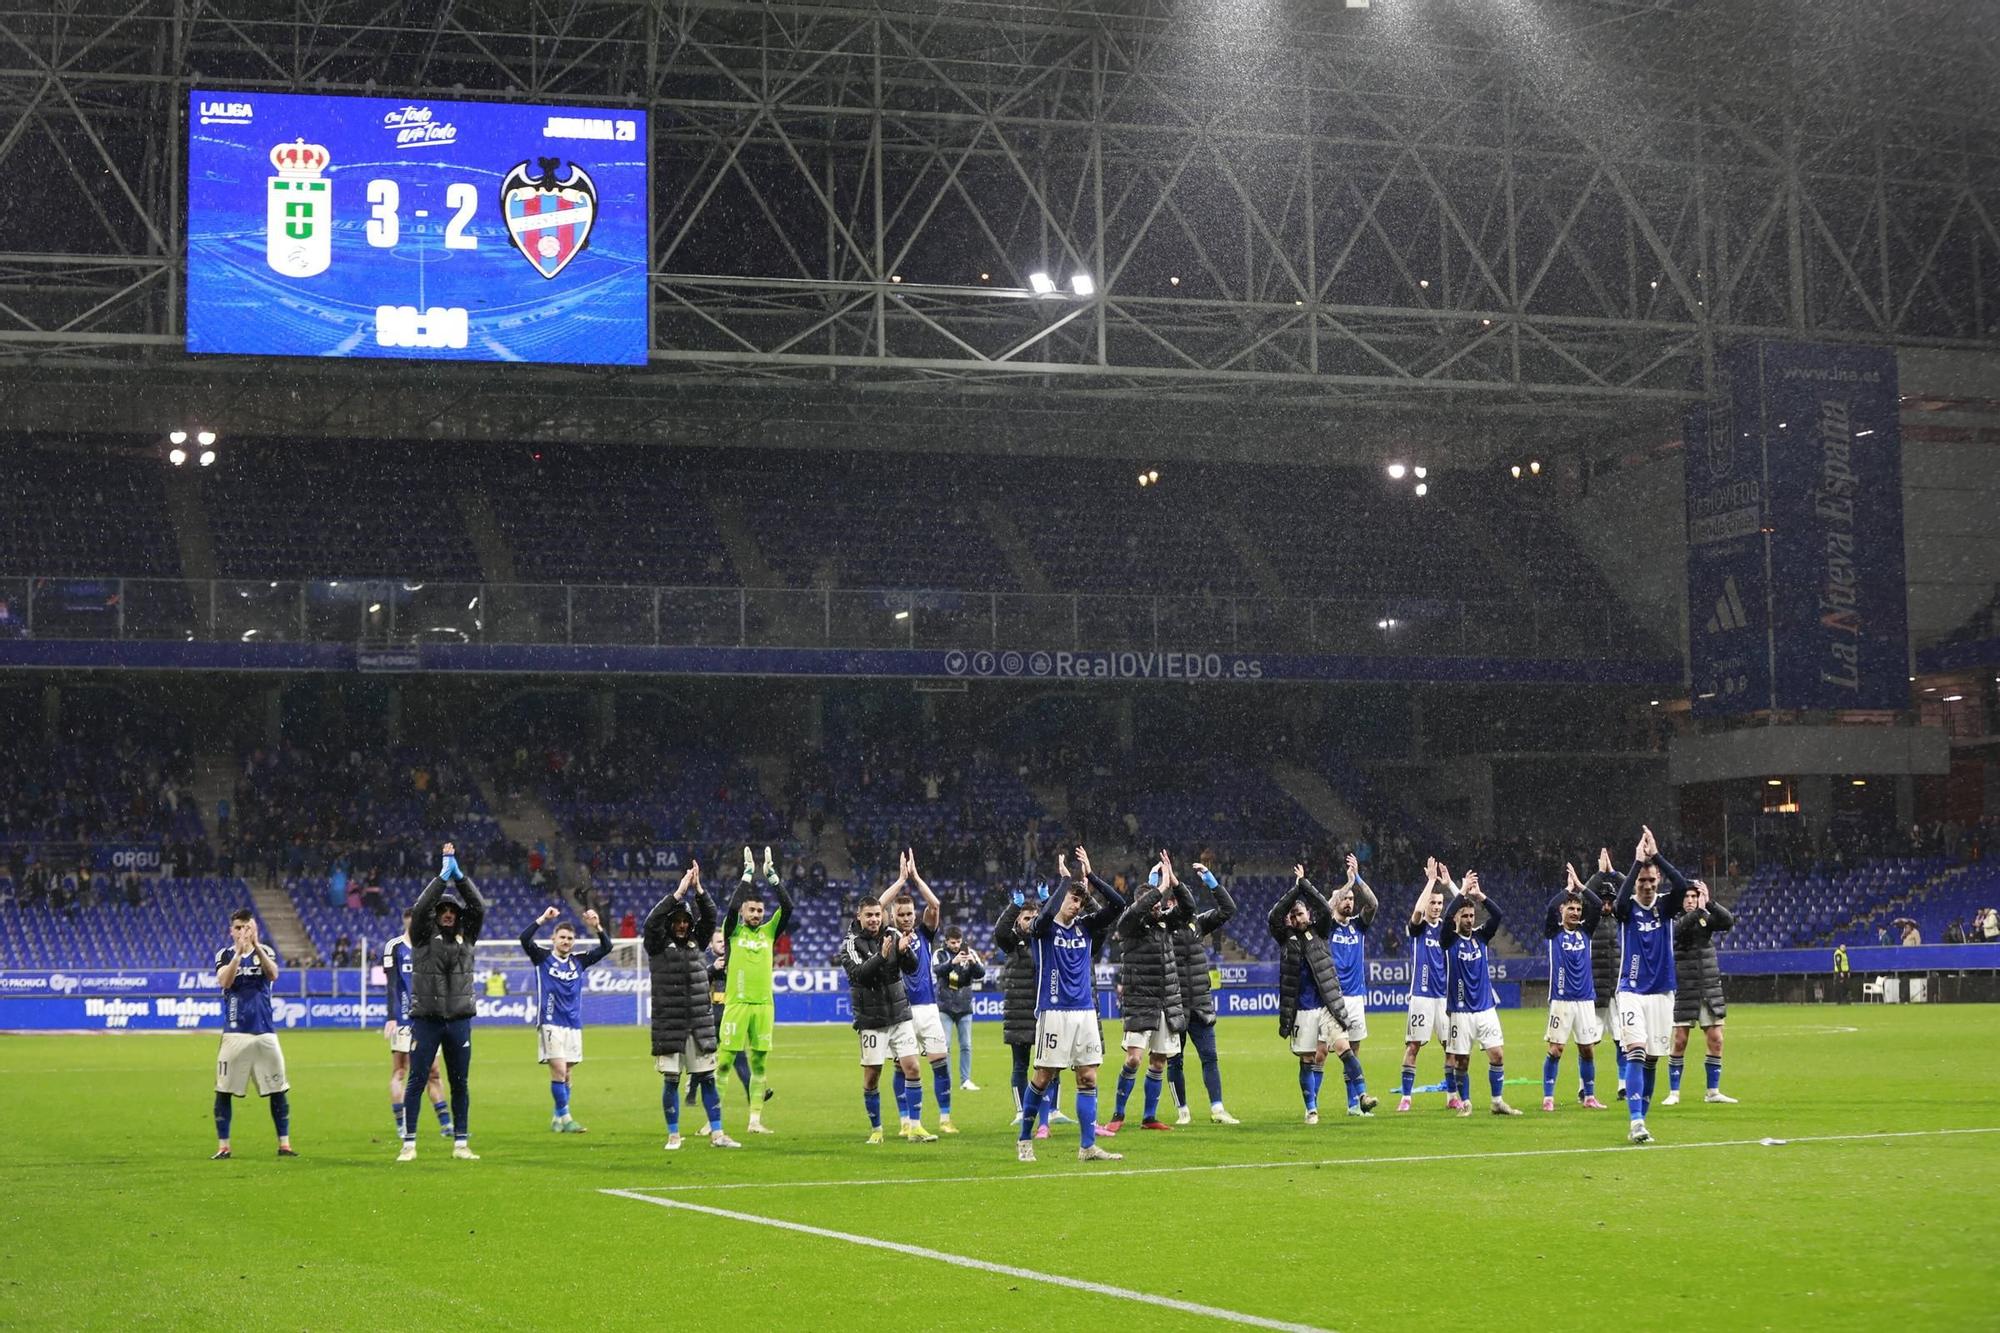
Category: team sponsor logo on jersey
<point>549,217</point>
<point>298,211</point>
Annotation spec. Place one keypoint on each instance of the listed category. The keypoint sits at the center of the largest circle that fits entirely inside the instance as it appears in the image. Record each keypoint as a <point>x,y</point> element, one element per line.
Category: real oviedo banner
<point>1795,571</point>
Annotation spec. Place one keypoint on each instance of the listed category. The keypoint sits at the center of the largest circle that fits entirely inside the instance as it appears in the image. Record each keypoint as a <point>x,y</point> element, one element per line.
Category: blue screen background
<point>593,312</point>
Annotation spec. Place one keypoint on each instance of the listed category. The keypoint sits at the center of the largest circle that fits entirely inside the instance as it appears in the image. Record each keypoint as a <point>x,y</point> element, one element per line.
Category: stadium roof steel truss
<point>1554,206</point>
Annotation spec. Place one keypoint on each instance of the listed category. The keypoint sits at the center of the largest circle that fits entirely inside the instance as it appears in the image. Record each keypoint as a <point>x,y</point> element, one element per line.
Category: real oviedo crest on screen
<point>341,226</point>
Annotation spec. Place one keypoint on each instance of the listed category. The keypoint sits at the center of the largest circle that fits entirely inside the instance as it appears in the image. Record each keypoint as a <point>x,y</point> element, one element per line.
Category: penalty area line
<point>1005,1177</point>
<point>979,1265</point>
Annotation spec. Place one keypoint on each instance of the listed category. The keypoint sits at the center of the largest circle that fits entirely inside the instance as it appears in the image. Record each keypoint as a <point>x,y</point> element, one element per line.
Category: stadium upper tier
<point>603,545</point>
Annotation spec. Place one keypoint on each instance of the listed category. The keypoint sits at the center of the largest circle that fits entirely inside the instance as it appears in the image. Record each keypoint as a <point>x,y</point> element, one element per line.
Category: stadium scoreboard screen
<point>450,231</point>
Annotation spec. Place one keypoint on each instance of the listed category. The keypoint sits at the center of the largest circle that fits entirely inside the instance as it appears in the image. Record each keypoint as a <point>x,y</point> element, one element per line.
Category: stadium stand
<point>84,513</point>
<point>282,511</point>
<point>1783,908</point>
<point>178,923</point>
<point>564,525</point>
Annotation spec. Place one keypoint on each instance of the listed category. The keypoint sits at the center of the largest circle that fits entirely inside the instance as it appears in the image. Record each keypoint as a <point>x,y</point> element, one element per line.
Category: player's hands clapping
<point>1298,873</point>
<point>1353,868</point>
<point>1082,863</point>
<point>689,878</point>
<point>1604,860</point>
<point>1472,889</point>
<point>1573,884</point>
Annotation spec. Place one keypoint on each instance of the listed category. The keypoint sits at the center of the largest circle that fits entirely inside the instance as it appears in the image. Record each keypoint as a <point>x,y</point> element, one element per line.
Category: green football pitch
<point>1856,1185</point>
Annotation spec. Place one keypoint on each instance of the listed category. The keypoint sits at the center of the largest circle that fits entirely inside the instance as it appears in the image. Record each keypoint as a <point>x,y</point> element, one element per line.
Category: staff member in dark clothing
<point>958,970</point>
<point>1698,998</point>
<point>1150,973</point>
<point>443,928</point>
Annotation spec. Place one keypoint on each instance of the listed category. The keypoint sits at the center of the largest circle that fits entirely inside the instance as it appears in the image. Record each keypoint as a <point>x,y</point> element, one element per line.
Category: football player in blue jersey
<point>559,976</point>
<point>396,1030</point>
<point>1066,933</point>
<point>1471,1008</point>
<point>919,931</point>
<point>1354,906</point>
<point>1425,1023</point>
<point>1644,1008</point>
<point>1570,923</point>
<point>245,969</point>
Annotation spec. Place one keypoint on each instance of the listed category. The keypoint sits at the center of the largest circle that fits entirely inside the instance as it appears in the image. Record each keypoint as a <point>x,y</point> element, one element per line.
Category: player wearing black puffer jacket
<point>875,959</point>
<point>1192,930</point>
<point>1698,1000</point>
<point>676,936</point>
<point>1150,994</point>
<point>443,929</point>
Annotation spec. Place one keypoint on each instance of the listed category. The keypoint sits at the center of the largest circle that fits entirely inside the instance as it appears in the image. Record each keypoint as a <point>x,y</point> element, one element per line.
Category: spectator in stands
<point>135,890</point>
<point>1986,926</point>
<point>628,927</point>
<point>1954,933</point>
<point>1910,933</point>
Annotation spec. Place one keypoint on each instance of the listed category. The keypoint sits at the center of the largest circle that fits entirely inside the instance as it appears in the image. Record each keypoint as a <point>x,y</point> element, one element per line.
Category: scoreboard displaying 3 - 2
<point>447,231</point>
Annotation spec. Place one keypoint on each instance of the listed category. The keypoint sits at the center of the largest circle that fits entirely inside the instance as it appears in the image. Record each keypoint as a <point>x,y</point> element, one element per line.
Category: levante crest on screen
<point>548,217</point>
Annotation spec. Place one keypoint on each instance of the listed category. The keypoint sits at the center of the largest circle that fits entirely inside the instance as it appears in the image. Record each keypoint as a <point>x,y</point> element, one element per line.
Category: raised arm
<point>1491,925</point>
<point>1282,908</point>
<point>603,948</point>
<point>1006,930</point>
<point>1366,903</point>
<point>704,914</point>
<point>1593,907</point>
<point>930,915</point>
<point>473,918</point>
<point>536,953</point>
<point>1316,905</point>
<point>1552,918</point>
<point>890,894</point>
<point>781,920</point>
<point>1218,916</point>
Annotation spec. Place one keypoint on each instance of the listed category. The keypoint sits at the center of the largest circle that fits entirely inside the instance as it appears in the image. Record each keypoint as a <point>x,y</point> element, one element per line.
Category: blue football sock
<point>1409,1080</point>
<point>1675,1066</point>
<point>1551,1065</point>
<point>1051,1101</point>
<point>1624,1081</point>
<point>1126,1079</point>
<point>915,1095</point>
<point>872,1099</point>
<point>443,1109</point>
<point>902,1095</point>
<point>1357,1082</point>
<point>1031,1110</point>
<point>225,1107</point>
<point>941,1086</point>
<point>281,1113</point>
<point>1713,1067</point>
<point>560,1091</point>
<point>1177,1077</point>
<point>1586,1072</point>
<point>1154,1083</point>
<point>1496,1079</point>
<point>1651,1075</point>
<point>670,1102</point>
<point>1452,1079</point>
<point>1086,1117</point>
<point>396,1110</point>
<point>711,1101</point>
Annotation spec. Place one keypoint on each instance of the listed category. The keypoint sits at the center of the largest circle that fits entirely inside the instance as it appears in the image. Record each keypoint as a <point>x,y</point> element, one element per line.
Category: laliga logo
<point>63,984</point>
<point>298,211</point>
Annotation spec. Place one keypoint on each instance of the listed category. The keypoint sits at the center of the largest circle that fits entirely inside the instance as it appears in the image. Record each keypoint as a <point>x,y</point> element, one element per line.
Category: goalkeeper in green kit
<point>748,940</point>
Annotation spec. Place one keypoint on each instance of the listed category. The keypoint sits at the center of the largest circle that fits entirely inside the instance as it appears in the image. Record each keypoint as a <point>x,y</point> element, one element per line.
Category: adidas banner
<point>1796,589</point>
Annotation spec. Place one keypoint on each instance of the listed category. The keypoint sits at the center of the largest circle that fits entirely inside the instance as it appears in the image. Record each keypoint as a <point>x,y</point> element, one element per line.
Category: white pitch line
<point>1011,1176</point>
<point>981,1265</point>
